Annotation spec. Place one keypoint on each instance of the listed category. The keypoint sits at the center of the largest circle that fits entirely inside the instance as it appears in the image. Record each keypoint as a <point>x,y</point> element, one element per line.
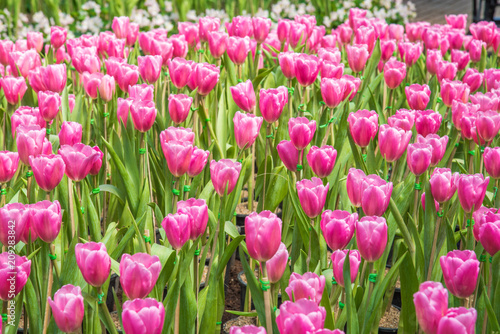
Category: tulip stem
<point>267,298</point>
<point>415,201</point>
<point>309,246</point>
<point>216,236</point>
<point>178,306</point>
<point>105,312</point>
<point>290,99</point>
<point>105,162</point>
<point>71,206</point>
<point>2,196</point>
<point>268,133</point>
<point>251,183</point>
<point>489,272</point>
<point>196,284</point>
<point>434,244</point>
<point>46,320</point>
<point>4,128</point>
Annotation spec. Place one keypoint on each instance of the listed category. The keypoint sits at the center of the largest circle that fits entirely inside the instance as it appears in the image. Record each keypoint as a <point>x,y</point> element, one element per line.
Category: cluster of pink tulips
<point>365,155</point>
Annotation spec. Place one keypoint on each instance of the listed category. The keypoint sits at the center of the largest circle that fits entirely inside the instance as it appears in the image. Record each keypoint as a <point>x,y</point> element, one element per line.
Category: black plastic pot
<point>243,293</point>
<point>383,330</point>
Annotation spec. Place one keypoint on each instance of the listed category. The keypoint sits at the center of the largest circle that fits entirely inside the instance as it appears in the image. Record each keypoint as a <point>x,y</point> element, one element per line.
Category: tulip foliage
<point>125,162</point>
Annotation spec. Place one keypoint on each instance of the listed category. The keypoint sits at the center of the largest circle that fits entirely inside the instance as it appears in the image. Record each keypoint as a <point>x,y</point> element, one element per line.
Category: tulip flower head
<point>363,126</point>
<point>460,272</point>
<point>338,259</point>
<point>263,235</point>
<point>308,286</point>
<point>277,264</point>
<point>67,308</point>
<point>48,170</point>
<point>138,274</point>
<point>94,262</point>
<point>431,304</point>
<point>224,174</point>
<point>143,316</point>
<point>312,196</point>
<point>471,191</point>
<point>371,237</point>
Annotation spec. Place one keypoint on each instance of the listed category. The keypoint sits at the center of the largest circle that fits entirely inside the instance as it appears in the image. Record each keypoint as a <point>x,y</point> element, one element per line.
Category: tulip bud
<point>287,64</point>
<point>410,52</point>
<point>138,274</point>
<point>143,316</point>
<point>13,89</point>
<point>306,69</point>
<point>330,70</point>
<point>427,122</point>
<point>418,96</point>
<point>178,155</point>
<point>22,62</point>
<point>94,262</point>
<point>431,304</point>
<point>244,95</point>
<point>322,160</point>
<point>237,49</point>
<point>419,158</point>
<point>224,175</point>
<point>491,157</point>
<point>338,259</point>
<point>454,90</point>
<point>29,141</point>
<point>126,75</point>
<point>198,162</point>
<point>394,73</point>
<point>206,77</point>
<point>123,108</point>
<point>198,210</point>
<point>46,219</point>
<point>479,217</point>
<point>363,126</point>
<point>143,115</point>
<point>49,104</point>
<point>338,228</point>
<point>471,191</point>
<point>312,195</point>
<point>461,58</point>
<point>460,271</point>
<point>9,161</point>
<point>6,47</point>
<point>332,91</point>
<point>17,213</point>
<point>393,142</point>
<point>67,308</point>
<point>246,129</point>
<point>261,27</point>
<point>70,134</point>
<point>48,170</point>
<point>79,159</point>
<point>301,316</point>
<point>354,181</point>
<point>263,235</point>
<point>177,228</point>
<point>489,232</point>
<point>371,237</point>
<point>375,195</point>
<point>308,286</point>
<point>91,83</point>
<point>443,184</point>
<point>277,264</point>
<point>54,77</point>
<point>458,320</point>
<point>473,78</point>
<point>438,145</point>
<point>288,154</point>
<point>357,55</point>
<point>272,102</point>
<point>301,131</point>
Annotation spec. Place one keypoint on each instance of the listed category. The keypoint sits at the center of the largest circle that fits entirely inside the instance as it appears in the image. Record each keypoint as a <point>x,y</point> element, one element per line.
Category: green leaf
<point>277,189</point>
<point>350,306</point>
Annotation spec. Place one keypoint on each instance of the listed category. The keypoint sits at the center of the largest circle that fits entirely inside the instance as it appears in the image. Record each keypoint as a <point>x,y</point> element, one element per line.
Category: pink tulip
<point>138,274</point>
<point>301,131</point>
<point>17,213</point>
<point>161,46</point>
<point>206,77</point>
<point>123,108</point>
<point>48,170</point>
<point>396,31</point>
<point>485,102</point>
<point>308,286</point>
<point>331,55</point>
<point>6,47</point>
<point>86,60</point>
<point>422,200</point>
<point>178,155</point>
<point>393,142</point>
<point>288,154</point>
<point>177,228</point>
<point>492,79</point>
<point>297,34</point>
<point>332,91</point>
<point>272,102</point>
<point>57,36</point>
<point>244,95</point>
<point>150,68</point>
<point>454,90</point>
<point>457,21</point>
<point>261,27</point>
<point>96,166</point>
<point>338,259</point>
<point>461,58</point>
<point>354,182</point>
<point>179,70</point>
<point>468,125</point>
<point>217,43</point>
<point>120,26</point>
<point>46,219</point>
<point>460,272</point>
<point>113,65</point>
<point>248,329</point>
<point>344,33</point>
<point>322,160</point>
<point>488,125</point>
<point>427,122</point>
<point>143,115</point>
<point>143,92</point>
<point>363,126</point>
<point>13,281</point>
<point>178,107</point>
<point>419,158</point>
<point>176,133</point>
<point>455,38</point>
<point>409,52</point>
<point>180,46</point>
<point>198,210</point>
<point>431,38</point>
<point>277,264</point>
<point>20,45</point>
<point>387,48</point>
<point>127,75</point>
<point>94,262</point>
<point>471,190</point>
<point>431,304</point>
<point>446,70</point>
<point>443,184</point>
<point>67,308</point>
<point>35,41</point>
<point>54,77</point>
<point>371,237</point>
<point>473,79</point>
<point>375,195</point>
<point>491,157</point>
<point>206,25</point>
<point>240,26</point>
<point>475,50</point>
<point>22,62</point>
<point>49,104</point>
<point>237,49</point>
<point>13,89</point>
<point>26,116</point>
<point>35,80</point>
<point>432,61</point>
<point>330,70</point>
<point>224,174</point>
<point>459,109</point>
<point>283,30</point>
<point>403,119</point>
<point>263,235</point>
<point>458,320</point>
<point>9,162</point>
<point>287,64</point>
<point>364,35</point>
<point>91,83</point>
<point>338,228</point>
<point>352,86</point>
<point>479,217</point>
<point>356,14</point>
<point>190,32</point>
<point>29,142</point>
<point>301,316</point>
<point>357,55</point>
<point>246,129</point>
<point>488,232</point>
<point>312,196</point>
<point>198,162</point>
<point>79,159</point>
<point>394,73</point>
<point>143,316</point>
<point>418,96</point>
<point>306,69</point>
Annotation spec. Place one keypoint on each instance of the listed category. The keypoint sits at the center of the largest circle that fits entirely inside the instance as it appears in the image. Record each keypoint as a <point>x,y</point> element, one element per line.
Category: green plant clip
<point>322,103</point>
<point>469,222</point>
<point>240,160</point>
<point>187,188</point>
<point>439,100</point>
<point>194,109</point>
<point>258,52</point>
<point>372,278</point>
<point>142,151</point>
<point>240,81</point>
<point>494,194</point>
<point>218,323</point>
<point>388,107</point>
<point>29,174</point>
<point>275,308</point>
<point>207,119</point>
<point>341,305</point>
<point>53,257</point>
<point>99,298</point>
<point>106,114</point>
<point>334,282</point>
<point>301,107</point>
<point>482,149</point>
<point>197,252</point>
<point>331,120</point>
<point>201,51</point>
<point>299,167</point>
<point>96,191</point>
<point>176,192</point>
<point>48,131</point>
<point>4,317</point>
<point>270,136</point>
<point>265,285</point>
<point>417,186</point>
<point>472,152</point>
<point>91,121</point>
<point>82,209</point>
<point>3,192</point>
<point>457,144</point>
<point>364,157</point>
<point>440,214</point>
<point>482,258</point>
<point>291,90</point>
<point>147,239</point>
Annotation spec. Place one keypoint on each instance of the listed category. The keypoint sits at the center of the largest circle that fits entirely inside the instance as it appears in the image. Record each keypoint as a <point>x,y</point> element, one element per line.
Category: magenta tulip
<point>363,125</point>
<point>248,329</point>
<point>322,160</point>
<point>198,162</point>
<point>96,166</point>
<point>178,155</point>
<point>179,70</point>
<point>403,119</point>
<point>443,184</point>
<point>454,90</point>
<point>190,32</point>
<point>461,58</point>
<point>471,191</point>
<point>432,60</point>
<point>277,264</point>
<point>332,91</point>
<point>301,316</point>
<point>371,237</point>
<point>394,73</point>
<point>330,70</point>
<point>67,308</point>
<point>198,210</point>
<point>94,262</point>
<point>272,102</point>
<point>306,69</point>
<point>263,235</point>
<point>143,316</point>
<point>143,115</point>
<point>206,77</point>
<point>9,161</point>
<point>393,142</point>
<point>431,304</point>
<point>138,274</point>
<point>485,102</point>
<point>246,129</point>
<point>22,62</point>
<point>418,96</point>
<point>57,36</point>
<point>491,158</point>
<point>354,182</point>
<point>473,78</point>
<point>288,154</point>
<point>489,232</point>
<point>287,64</point>
<point>438,145</point>
<point>70,134</point>
<point>48,170</point>
<point>308,286</point>
<point>13,89</point>
<point>177,133</point>
<point>244,95</point>
<point>224,175</point>
<point>26,116</point>
<point>460,272</point>
<point>11,234</point>
<point>91,83</point>
<point>446,70</point>
<point>488,125</point>
<point>312,195</point>
<point>123,108</point>
<point>217,43</point>
<point>238,49</point>
<point>338,228</point>
<point>419,158</point>
<point>29,142</point>
<point>49,104</point>
<point>177,228</point>
<point>458,320</point>
<point>13,281</point>
<point>79,159</point>
<point>301,131</point>
<point>46,219</point>
<point>178,107</point>
<point>480,218</point>
<point>126,75</point>
<point>409,52</point>
<point>357,55</point>
<point>375,195</point>
<point>338,259</point>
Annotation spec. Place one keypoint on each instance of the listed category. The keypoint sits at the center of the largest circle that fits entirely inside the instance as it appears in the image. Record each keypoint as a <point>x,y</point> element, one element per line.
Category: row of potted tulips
<point>340,111</point>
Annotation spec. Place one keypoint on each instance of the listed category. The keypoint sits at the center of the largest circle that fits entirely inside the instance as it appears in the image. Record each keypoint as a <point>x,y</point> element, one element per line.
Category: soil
<point>390,318</point>
<point>242,208</point>
<point>116,320</point>
<point>204,275</point>
<point>239,321</point>
<point>398,282</point>
<point>232,294</point>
